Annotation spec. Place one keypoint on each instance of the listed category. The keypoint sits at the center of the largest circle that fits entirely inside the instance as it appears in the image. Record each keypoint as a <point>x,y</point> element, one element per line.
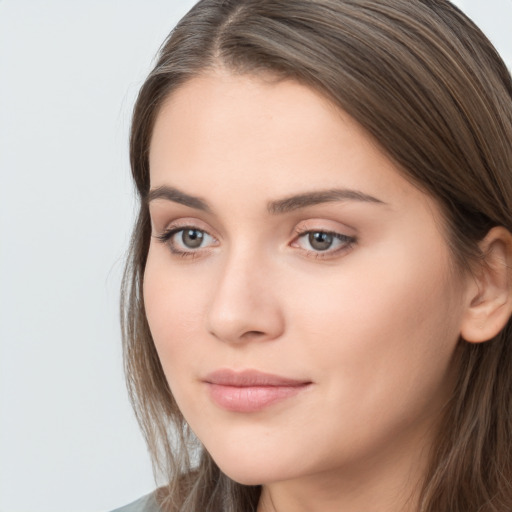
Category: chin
<point>248,470</point>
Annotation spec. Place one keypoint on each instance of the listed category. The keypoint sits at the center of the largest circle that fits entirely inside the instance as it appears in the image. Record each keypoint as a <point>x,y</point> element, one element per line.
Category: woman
<point>317,302</point>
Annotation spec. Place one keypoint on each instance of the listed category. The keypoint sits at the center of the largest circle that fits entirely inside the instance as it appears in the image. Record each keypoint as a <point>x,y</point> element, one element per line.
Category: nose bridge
<point>245,304</point>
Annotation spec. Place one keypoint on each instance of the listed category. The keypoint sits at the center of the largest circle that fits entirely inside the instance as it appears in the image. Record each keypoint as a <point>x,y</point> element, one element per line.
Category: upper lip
<point>248,378</point>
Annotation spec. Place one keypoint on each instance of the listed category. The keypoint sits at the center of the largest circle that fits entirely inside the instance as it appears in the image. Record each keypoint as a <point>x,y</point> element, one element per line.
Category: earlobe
<point>490,301</point>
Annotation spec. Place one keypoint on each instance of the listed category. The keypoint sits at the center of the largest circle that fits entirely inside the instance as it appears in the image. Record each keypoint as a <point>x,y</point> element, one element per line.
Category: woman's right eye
<point>186,240</point>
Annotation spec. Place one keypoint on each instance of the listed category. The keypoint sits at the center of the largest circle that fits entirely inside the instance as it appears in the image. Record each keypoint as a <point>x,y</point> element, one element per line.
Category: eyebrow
<point>299,201</point>
<point>177,196</point>
<point>280,206</point>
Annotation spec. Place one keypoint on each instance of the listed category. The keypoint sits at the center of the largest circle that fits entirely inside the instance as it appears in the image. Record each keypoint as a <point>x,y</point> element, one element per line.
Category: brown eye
<point>192,238</point>
<point>320,241</point>
<point>187,241</point>
<point>324,243</point>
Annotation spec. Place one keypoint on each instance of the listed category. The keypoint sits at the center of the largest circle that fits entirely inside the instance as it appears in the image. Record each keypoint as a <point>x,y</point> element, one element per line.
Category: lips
<point>250,390</point>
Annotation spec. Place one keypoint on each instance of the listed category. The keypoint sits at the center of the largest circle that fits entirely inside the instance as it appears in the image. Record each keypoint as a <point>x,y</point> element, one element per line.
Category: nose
<point>245,305</point>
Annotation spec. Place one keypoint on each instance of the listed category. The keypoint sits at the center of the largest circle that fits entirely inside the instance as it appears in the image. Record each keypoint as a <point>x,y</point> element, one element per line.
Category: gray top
<point>145,504</point>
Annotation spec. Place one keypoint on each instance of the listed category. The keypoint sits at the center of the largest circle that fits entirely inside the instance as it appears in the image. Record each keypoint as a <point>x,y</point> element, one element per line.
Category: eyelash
<point>347,242</point>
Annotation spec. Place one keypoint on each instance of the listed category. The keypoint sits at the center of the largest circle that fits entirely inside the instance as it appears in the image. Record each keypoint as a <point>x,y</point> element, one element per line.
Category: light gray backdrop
<point>69,72</point>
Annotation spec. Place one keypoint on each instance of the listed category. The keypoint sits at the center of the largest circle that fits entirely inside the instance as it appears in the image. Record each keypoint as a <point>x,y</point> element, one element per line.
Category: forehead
<point>243,120</point>
<point>220,107</point>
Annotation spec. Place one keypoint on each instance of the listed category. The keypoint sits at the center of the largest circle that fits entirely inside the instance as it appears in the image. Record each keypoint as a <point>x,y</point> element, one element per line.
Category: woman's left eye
<point>326,242</point>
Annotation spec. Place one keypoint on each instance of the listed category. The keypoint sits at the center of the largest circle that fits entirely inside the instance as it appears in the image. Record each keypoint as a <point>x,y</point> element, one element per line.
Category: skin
<point>372,322</point>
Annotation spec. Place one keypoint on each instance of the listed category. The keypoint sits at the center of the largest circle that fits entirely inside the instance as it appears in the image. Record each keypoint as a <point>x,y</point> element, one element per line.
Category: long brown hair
<point>425,82</point>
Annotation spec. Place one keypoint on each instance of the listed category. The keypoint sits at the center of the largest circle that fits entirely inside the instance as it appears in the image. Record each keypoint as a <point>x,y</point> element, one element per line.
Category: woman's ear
<point>490,299</point>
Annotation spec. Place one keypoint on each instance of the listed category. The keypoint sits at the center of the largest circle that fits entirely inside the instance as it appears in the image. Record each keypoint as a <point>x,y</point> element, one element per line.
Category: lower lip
<point>251,398</point>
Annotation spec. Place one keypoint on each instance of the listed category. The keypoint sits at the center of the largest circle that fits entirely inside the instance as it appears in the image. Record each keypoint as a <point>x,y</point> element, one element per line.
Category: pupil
<point>192,238</point>
<point>320,241</point>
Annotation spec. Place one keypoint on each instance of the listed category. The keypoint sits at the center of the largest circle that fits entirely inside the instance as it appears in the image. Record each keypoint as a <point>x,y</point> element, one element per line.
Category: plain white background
<point>69,73</point>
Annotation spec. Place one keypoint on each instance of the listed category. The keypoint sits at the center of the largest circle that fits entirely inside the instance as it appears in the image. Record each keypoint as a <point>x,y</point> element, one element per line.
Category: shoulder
<point>145,504</point>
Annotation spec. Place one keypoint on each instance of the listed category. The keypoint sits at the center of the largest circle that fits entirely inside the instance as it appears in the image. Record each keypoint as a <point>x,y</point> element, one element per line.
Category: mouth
<point>251,390</point>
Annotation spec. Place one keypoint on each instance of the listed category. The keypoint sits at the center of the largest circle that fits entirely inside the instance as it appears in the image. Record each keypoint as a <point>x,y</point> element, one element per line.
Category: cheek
<point>175,311</point>
<point>387,322</point>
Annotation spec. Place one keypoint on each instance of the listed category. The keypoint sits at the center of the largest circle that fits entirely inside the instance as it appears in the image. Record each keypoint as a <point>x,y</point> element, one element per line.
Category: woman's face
<point>300,292</point>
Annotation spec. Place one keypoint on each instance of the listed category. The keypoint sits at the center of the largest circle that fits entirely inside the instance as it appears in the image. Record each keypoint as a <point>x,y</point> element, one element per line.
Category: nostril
<point>253,334</point>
